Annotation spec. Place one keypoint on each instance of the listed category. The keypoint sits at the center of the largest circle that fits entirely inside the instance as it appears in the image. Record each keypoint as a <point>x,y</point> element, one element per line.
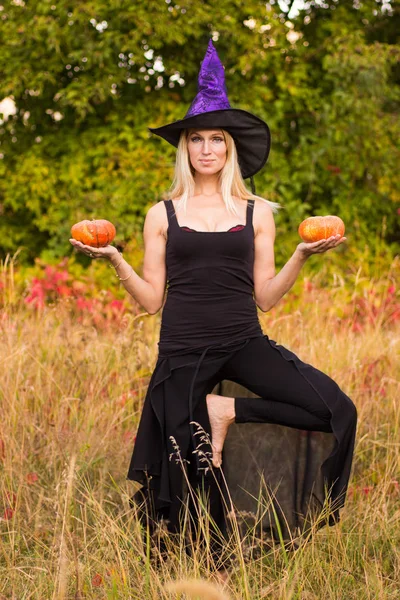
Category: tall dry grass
<point>70,398</point>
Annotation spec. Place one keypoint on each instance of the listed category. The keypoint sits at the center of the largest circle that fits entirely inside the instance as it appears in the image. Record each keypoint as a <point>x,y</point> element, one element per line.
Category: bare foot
<point>221,412</point>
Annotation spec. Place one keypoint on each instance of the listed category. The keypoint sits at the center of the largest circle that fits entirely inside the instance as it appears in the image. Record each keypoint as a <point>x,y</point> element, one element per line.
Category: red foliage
<point>86,303</point>
<point>378,305</point>
<point>123,399</point>
<point>334,169</point>
<point>31,478</point>
<point>10,504</point>
<point>49,288</point>
<point>374,307</point>
<point>129,437</point>
<point>8,513</point>
<point>11,498</point>
<point>357,490</point>
<point>97,580</point>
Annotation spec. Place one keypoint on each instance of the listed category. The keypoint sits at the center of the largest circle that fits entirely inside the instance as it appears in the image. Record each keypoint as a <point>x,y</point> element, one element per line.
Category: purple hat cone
<point>211,109</point>
<point>212,93</point>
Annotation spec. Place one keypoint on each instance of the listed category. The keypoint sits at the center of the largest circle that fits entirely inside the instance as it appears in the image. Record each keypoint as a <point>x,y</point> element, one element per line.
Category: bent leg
<point>295,394</point>
<point>261,410</point>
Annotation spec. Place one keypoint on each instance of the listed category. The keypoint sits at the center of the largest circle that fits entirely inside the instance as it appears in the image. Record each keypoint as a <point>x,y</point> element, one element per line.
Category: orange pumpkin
<point>96,233</point>
<point>314,229</point>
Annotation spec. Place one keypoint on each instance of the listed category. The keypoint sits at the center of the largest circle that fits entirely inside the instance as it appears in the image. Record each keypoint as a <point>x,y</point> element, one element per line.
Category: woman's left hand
<point>306,249</point>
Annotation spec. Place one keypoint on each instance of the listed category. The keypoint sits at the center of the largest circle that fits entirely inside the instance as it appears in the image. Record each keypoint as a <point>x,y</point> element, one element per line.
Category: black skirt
<point>286,459</point>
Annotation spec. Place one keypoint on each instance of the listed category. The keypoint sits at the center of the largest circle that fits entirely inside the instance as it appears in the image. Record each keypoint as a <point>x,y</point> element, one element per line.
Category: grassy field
<point>71,395</point>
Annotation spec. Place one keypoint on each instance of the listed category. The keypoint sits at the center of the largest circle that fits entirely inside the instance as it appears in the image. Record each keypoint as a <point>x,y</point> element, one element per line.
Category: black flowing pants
<point>291,393</point>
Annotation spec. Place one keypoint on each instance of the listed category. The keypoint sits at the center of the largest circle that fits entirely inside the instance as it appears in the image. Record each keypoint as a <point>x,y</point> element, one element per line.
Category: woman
<point>213,241</point>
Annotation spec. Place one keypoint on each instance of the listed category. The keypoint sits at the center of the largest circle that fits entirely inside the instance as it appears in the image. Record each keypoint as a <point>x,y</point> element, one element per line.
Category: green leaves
<point>89,78</point>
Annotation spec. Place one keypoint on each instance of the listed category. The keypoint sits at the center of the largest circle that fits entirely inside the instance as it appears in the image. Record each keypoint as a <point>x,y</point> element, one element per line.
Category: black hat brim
<point>251,134</point>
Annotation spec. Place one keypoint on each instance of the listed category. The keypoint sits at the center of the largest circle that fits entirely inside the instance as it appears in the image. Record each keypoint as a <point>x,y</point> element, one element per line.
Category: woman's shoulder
<point>157,211</point>
<point>262,205</point>
<point>256,200</point>
<point>263,216</point>
<point>156,216</point>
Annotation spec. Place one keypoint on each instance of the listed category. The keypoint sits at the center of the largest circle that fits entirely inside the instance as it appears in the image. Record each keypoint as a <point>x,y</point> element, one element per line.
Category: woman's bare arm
<point>268,287</point>
<point>147,291</point>
<point>264,260</point>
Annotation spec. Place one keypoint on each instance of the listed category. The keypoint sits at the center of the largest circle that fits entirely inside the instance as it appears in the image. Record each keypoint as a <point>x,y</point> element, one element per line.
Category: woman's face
<point>207,150</point>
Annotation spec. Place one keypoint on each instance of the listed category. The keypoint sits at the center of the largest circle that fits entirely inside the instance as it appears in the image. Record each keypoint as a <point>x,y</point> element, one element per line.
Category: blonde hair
<point>231,180</point>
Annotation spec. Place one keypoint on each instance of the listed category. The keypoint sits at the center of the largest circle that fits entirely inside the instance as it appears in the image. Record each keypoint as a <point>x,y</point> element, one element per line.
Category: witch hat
<point>211,109</point>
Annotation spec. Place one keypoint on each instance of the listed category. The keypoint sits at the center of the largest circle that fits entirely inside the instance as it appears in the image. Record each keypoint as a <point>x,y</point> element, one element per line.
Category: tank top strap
<point>249,213</point>
<point>172,220</point>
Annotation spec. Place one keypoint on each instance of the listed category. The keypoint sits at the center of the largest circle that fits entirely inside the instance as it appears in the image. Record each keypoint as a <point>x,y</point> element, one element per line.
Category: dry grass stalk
<point>196,588</point>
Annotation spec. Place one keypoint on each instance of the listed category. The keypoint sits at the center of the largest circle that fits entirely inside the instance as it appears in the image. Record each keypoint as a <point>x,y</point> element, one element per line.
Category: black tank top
<point>210,287</point>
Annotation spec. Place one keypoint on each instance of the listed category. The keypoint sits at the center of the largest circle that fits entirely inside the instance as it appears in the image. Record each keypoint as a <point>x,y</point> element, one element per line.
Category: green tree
<point>88,78</point>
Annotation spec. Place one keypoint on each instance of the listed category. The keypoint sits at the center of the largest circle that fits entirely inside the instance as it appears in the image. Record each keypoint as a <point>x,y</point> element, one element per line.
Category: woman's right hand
<point>104,252</point>
<point>307,249</point>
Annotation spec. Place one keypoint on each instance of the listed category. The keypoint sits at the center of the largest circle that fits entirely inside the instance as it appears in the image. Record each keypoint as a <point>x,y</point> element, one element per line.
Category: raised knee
<point>352,412</point>
<point>348,406</point>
